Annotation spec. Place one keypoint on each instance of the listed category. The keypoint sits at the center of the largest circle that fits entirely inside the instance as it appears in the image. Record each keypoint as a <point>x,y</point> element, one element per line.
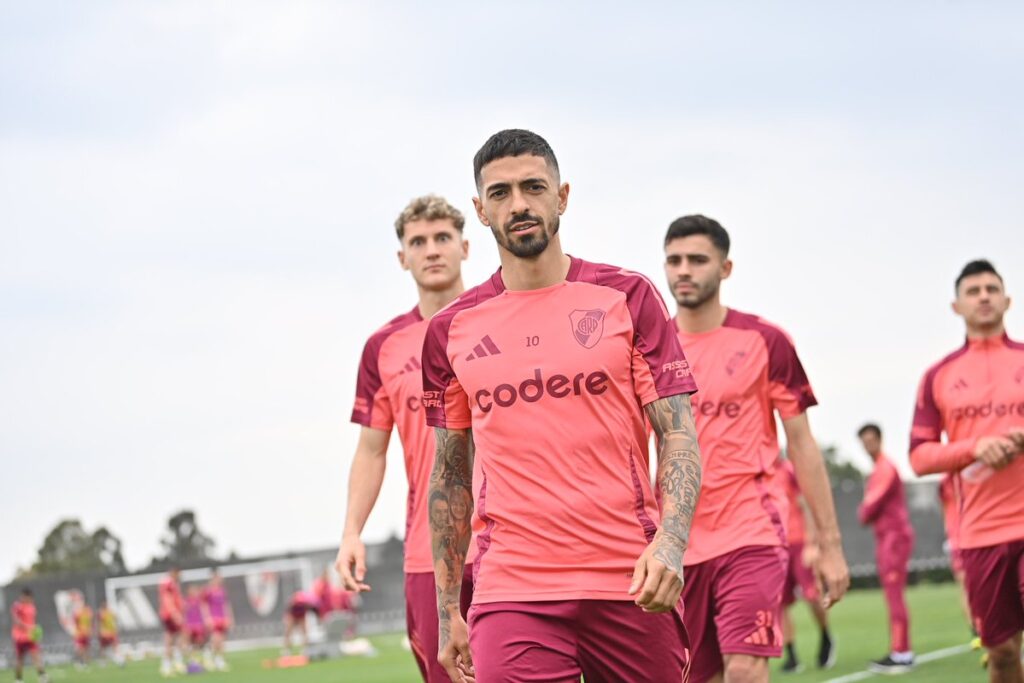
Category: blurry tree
<point>183,542</point>
<point>839,470</point>
<point>69,548</point>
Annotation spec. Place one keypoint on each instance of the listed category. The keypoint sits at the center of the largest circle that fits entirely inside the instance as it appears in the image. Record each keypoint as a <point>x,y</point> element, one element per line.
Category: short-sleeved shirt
<point>796,531</point>
<point>108,623</point>
<point>83,621</point>
<point>747,369</point>
<point>216,600</point>
<point>553,382</point>
<point>25,613</point>
<point>974,392</point>
<point>388,394</point>
<point>171,603</point>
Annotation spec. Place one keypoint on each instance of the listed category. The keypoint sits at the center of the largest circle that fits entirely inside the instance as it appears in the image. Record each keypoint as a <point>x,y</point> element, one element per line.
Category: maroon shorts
<point>798,574</point>
<point>171,626</point>
<point>995,590</point>
<point>732,607</point>
<point>196,635</point>
<point>82,643</point>
<point>219,626</point>
<point>421,620</point>
<point>298,610</point>
<point>108,641</point>
<point>556,642</point>
<point>23,647</point>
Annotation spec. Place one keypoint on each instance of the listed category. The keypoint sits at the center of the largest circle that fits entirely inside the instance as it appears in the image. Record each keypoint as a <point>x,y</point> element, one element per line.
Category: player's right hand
<point>995,451</point>
<point>1016,435</point>
<point>453,650</point>
<point>351,564</point>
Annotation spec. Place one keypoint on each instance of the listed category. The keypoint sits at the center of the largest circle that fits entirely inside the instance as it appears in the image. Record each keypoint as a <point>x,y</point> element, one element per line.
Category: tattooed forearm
<point>451,510</point>
<point>679,474</point>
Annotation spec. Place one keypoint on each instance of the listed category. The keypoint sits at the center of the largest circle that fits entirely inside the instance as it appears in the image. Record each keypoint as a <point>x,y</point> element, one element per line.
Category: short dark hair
<point>513,142</point>
<point>26,592</point>
<point>976,267</point>
<point>697,224</point>
<point>870,427</point>
<point>437,496</point>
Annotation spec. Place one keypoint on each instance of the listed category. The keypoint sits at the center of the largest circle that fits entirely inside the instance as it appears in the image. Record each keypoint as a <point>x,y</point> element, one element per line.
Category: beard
<point>531,246</point>
<point>700,296</point>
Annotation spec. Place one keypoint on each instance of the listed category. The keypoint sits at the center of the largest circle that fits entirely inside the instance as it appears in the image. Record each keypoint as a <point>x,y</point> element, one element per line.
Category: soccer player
<point>748,370</point>
<point>196,620</point>
<point>301,603</point>
<point>885,508</point>
<point>803,555</point>
<point>388,394</point>
<point>552,362</point>
<point>975,396</point>
<point>221,618</point>
<point>173,619</point>
<point>108,633</point>
<point>25,635</point>
<point>81,620</point>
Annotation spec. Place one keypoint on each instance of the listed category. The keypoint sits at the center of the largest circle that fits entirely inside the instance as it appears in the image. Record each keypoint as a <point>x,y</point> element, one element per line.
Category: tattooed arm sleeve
<point>679,474</point>
<point>453,470</point>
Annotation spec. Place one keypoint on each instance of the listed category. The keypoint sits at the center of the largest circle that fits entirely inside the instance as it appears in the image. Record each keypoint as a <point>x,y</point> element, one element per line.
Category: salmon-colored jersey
<point>885,502</point>
<point>796,531</point>
<point>553,382</point>
<point>950,510</point>
<point>24,621</point>
<point>747,370</point>
<point>388,393</point>
<point>974,392</point>
<point>171,603</point>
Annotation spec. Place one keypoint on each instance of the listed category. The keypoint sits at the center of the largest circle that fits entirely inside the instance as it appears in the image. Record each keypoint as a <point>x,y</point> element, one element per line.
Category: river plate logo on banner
<point>262,588</point>
<point>587,326</point>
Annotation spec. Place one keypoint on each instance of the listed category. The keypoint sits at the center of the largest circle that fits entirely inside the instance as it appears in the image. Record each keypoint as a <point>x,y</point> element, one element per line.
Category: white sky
<point>196,202</point>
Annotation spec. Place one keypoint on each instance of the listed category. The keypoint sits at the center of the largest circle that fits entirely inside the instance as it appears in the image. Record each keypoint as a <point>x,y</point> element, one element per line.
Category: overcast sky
<point>196,207</point>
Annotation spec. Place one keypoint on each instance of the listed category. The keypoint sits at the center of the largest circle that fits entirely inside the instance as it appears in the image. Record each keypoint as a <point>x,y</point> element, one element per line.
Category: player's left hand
<point>832,573</point>
<point>658,574</point>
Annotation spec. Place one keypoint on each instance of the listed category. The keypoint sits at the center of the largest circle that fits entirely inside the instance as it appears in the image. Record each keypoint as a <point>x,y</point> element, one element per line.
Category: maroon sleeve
<point>655,338</point>
<point>444,401</point>
<point>927,424</point>
<point>371,407</point>
<point>790,388</point>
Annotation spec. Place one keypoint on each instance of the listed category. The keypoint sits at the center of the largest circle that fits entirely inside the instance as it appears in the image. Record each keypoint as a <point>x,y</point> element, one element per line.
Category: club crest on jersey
<point>262,588</point>
<point>587,326</point>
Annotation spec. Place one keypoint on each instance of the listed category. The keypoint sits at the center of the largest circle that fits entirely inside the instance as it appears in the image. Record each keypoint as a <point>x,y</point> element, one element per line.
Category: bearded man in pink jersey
<point>388,392</point>
<point>537,382</point>
<point>748,370</point>
<point>975,396</point>
<point>884,508</point>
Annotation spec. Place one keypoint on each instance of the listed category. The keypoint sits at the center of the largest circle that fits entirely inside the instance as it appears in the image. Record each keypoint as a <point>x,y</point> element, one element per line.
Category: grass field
<point>858,622</point>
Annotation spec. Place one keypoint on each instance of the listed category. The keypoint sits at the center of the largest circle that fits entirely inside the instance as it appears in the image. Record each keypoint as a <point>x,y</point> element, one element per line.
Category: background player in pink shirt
<point>26,635</point>
<point>172,616</point>
<point>748,371</point>
<point>884,508</point>
<point>975,396</point>
<point>221,618</point>
<point>197,620</point>
<point>551,362</point>
<point>803,556</point>
<point>388,394</point>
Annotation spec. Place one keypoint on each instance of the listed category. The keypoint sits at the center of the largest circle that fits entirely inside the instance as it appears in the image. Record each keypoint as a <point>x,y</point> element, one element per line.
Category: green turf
<point>858,622</point>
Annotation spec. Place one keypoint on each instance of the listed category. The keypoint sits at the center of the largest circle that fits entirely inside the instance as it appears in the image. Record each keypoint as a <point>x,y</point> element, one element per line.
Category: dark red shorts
<point>421,620</point>
<point>171,626</point>
<point>732,607</point>
<point>23,647</point>
<point>298,610</point>
<point>108,641</point>
<point>219,626</point>
<point>995,590</point>
<point>605,641</point>
<point>798,574</point>
<point>196,635</point>
<point>82,643</point>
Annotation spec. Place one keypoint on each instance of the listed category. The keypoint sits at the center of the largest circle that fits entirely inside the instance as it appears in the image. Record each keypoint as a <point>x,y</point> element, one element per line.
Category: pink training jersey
<point>194,611</point>
<point>747,368</point>
<point>171,603</point>
<point>885,503</point>
<point>388,393</point>
<point>216,602</point>
<point>796,531</point>
<point>23,621</point>
<point>974,392</point>
<point>552,382</point>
